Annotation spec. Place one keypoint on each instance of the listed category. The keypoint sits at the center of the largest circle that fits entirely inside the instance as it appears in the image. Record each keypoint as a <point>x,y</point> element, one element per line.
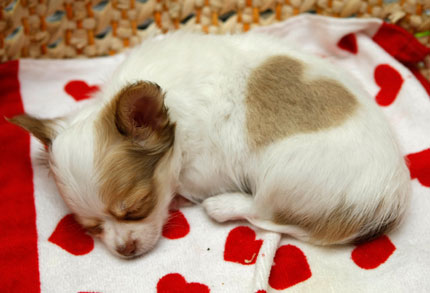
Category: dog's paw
<point>217,208</point>
<point>228,206</point>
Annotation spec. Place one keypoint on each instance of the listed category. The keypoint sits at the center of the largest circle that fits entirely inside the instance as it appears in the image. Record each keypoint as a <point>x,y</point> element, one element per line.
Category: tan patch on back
<point>280,102</point>
<point>126,168</point>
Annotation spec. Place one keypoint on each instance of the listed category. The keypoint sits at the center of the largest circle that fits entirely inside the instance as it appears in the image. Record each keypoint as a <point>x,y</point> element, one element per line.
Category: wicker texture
<point>89,28</point>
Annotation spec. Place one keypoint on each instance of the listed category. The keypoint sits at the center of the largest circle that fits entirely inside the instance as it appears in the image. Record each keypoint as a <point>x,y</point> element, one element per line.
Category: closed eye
<point>128,216</point>
<point>131,216</point>
<point>95,230</point>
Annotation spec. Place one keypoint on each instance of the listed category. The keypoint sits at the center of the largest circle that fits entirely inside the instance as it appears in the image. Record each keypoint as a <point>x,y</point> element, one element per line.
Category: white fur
<point>205,81</point>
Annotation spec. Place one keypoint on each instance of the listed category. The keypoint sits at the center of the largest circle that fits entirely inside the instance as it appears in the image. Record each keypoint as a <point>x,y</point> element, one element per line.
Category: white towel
<point>43,249</point>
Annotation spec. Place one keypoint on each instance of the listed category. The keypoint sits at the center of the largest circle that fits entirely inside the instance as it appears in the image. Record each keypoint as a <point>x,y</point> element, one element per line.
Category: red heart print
<point>177,226</point>
<point>419,166</point>
<point>70,236</point>
<point>371,255</point>
<point>80,90</point>
<point>241,246</point>
<point>176,283</point>
<point>348,43</point>
<point>290,267</point>
<point>390,81</point>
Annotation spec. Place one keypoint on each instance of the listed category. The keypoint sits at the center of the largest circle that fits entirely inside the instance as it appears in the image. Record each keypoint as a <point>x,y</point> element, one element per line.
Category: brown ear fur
<point>140,110</point>
<point>42,129</point>
<point>134,134</point>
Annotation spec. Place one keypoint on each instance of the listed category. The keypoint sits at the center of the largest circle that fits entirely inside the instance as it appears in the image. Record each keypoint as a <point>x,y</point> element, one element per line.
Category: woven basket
<point>87,28</point>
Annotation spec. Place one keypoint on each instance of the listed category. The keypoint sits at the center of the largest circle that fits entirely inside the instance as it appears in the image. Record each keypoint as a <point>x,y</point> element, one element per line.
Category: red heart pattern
<point>80,90</point>
<point>290,267</point>
<point>177,226</point>
<point>71,237</point>
<point>371,255</point>
<point>419,166</point>
<point>241,246</point>
<point>176,283</point>
<point>390,81</point>
<point>348,43</point>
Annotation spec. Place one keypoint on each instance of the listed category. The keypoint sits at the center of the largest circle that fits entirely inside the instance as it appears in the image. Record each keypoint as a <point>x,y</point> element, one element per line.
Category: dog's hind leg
<point>240,206</point>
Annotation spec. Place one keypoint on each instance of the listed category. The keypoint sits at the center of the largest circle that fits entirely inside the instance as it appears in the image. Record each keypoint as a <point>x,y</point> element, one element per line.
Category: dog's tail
<point>292,230</point>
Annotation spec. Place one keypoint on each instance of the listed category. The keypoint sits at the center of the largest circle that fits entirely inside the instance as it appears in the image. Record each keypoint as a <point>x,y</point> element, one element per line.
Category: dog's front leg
<point>229,206</point>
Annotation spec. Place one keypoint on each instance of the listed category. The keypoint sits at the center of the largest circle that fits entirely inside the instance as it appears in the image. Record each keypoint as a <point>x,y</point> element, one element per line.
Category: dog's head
<point>111,165</point>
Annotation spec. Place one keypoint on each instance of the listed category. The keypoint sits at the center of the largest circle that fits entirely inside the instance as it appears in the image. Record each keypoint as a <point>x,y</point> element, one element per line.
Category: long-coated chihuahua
<point>245,125</point>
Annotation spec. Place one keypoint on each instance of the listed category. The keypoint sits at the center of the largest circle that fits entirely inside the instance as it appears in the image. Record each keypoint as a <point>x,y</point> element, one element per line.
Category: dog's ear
<point>140,110</point>
<point>42,129</point>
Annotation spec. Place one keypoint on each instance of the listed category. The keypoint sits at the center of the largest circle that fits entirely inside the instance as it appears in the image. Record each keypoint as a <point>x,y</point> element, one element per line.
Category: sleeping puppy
<point>245,125</point>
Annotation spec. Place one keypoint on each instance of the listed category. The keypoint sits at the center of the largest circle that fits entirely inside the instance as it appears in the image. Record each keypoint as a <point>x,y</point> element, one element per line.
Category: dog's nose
<point>128,249</point>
